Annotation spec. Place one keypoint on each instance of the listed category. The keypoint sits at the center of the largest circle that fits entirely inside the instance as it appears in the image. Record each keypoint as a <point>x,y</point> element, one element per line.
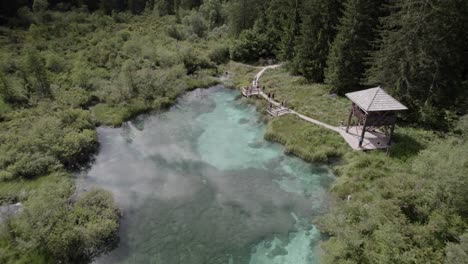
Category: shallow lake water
<point>198,184</point>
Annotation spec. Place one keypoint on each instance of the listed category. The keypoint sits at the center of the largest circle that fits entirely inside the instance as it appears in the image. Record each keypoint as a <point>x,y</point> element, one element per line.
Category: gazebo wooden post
<point>350,117</point>
<point>391,134</point>
<point>361,140</point>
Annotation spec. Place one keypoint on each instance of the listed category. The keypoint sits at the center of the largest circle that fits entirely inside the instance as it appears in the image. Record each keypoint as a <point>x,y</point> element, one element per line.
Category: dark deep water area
<point>198,184</point>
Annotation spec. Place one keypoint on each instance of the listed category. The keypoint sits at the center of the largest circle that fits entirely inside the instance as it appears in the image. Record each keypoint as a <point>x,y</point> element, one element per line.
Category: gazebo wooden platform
<point>372,119</point>
<point>372,139</point>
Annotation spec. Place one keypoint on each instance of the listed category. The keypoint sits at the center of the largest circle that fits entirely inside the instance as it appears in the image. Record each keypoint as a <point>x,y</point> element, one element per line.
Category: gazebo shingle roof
<point>375,99</point>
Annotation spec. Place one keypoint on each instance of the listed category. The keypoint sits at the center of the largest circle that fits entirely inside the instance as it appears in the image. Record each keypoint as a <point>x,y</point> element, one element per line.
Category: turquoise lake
<point>198,184</point>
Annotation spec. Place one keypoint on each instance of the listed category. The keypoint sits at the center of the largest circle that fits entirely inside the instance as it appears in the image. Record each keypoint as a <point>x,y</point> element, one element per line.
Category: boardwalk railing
<point>278,111</point>
<point>247,92</point>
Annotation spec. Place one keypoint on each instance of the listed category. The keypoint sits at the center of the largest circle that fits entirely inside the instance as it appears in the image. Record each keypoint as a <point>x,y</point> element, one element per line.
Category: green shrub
<point>251,46</point>
<point>4,109</point>
<point>55,63</point>
<point>34,144</point>
<point>176,32</point>
<point>219,55</point>
<point>197,24</point>
<point>66,232</point>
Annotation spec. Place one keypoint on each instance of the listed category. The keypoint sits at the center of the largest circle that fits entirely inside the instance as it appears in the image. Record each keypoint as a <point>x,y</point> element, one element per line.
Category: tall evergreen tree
<point>284,20</point>
<point>422,56</point>
<point>351,47</point>
<point>319,19</point>
<point>243,14</point>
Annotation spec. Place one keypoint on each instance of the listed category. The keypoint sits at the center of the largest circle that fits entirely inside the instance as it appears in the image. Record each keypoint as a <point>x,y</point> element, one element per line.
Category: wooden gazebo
<point>374,112</point>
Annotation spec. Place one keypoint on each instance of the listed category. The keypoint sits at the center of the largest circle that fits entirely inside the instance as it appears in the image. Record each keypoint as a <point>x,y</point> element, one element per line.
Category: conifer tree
<point>350,48</point>
<point>243,14</point>
<point>284,19</point>
<point>422,57</point>
<point>319,18</point>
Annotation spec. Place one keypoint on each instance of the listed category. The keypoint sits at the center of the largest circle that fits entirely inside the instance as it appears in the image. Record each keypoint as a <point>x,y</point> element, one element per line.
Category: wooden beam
<point>363,131</point>
<point>349,118</point>
<point>391,134</point>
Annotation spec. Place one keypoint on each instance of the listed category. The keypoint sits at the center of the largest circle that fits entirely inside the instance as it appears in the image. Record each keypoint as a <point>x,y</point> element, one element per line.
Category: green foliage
<point>251,46</point>
<point>398,198</point>
<point>312,100</point>
<point>283,26</point>
<point>40,5</point>
<point>219,55</point>
<point>59,78</point>
<point>457,253</point>
<point>300,138</point>
<point>213,12</point>
<point>55,63</point>
<point>194,63</point>
<point>346,61</point>
<point>35,66</point>
<point>242,14</point>
<point>197,24</point>
<point>88,231</point>
<point>317,32</point>
<point>176,32</point>
<point>5,88</point>
<point>407,205</point>
<point>4,109</point>
<point>67,232</point>
<point>165,7</point>
<point>36,142</point>
<point>420,58</point>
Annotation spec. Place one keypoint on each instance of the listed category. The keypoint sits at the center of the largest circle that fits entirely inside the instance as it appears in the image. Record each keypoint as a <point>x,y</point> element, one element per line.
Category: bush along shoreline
<point>63,74</point>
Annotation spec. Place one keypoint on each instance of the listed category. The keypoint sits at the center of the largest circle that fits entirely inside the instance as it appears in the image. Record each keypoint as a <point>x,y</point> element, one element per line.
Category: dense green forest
<point>67,67</point>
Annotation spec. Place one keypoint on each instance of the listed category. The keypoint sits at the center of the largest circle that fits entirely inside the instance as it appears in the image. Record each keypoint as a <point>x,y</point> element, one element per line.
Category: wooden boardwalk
<point>373,140</point>
<point>278,110</point>
<point>247,92</point>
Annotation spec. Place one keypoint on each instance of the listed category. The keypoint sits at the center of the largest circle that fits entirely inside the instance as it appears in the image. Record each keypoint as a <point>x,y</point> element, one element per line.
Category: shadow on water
<point>198,186</point>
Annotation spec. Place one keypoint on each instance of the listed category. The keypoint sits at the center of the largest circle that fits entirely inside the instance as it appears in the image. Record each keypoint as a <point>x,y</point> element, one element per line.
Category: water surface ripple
<point>199,185</point>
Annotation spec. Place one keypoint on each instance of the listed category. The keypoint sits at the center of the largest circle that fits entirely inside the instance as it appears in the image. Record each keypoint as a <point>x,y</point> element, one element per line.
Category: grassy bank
<point>407,205</point>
